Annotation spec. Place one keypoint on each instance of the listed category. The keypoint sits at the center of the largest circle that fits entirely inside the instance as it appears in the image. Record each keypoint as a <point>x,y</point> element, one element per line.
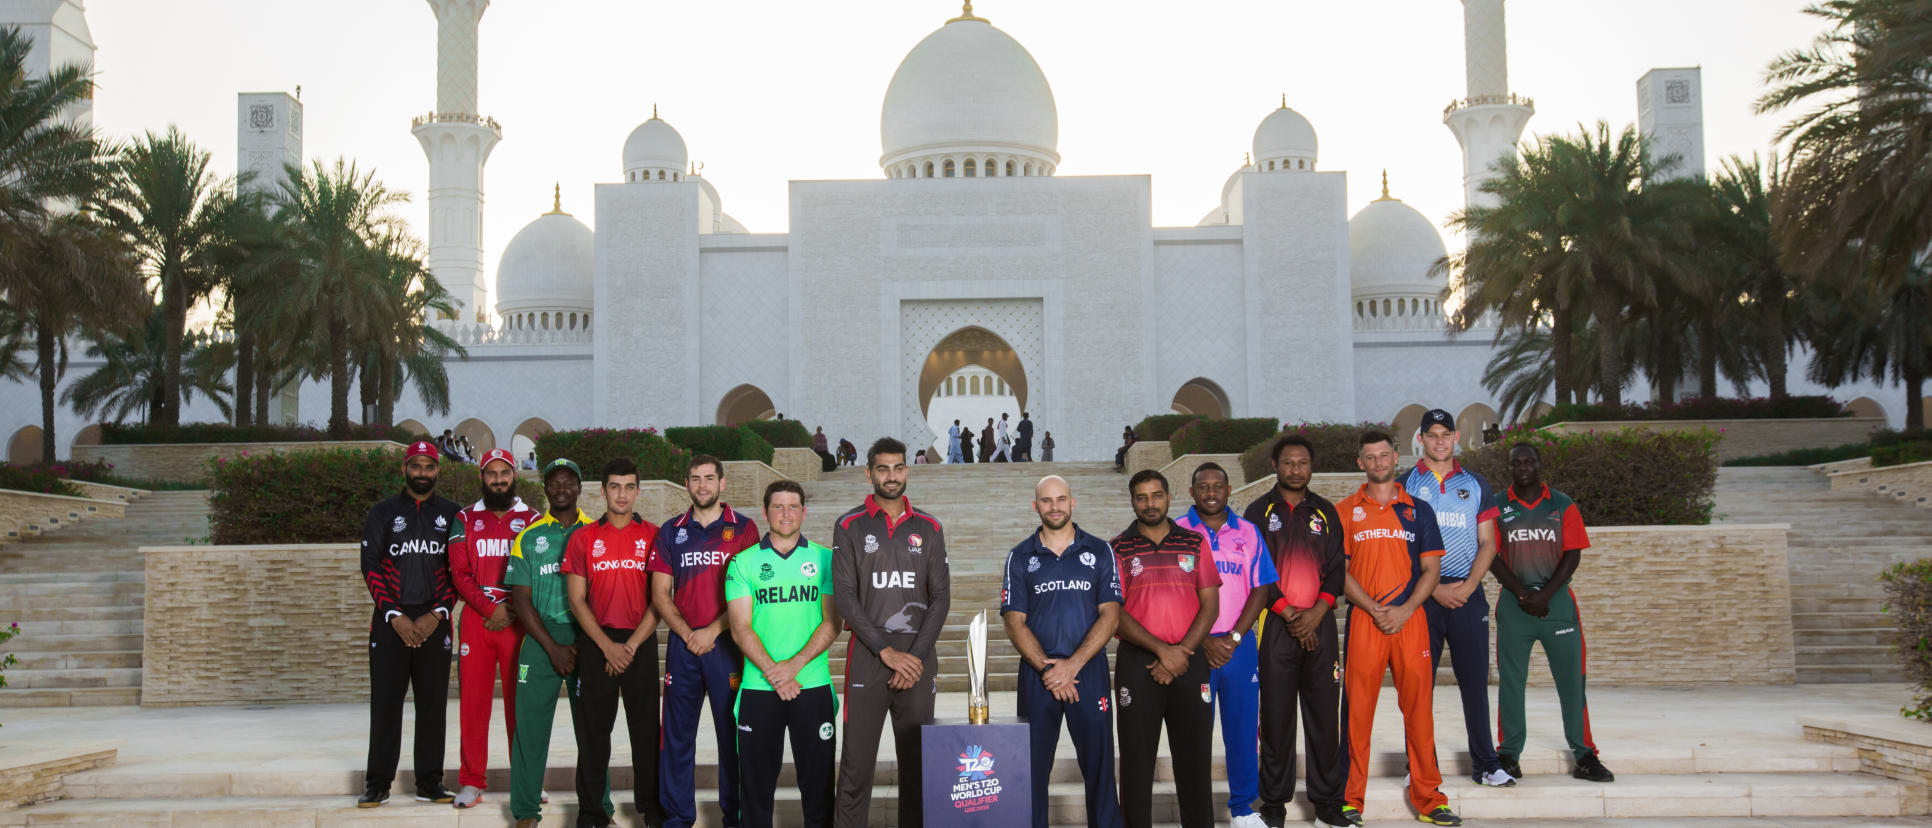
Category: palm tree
<point>1866,331</point>
<point>1741,258</point>
<point>334,220</point>
<point>133,372</point>
<point>81,277</point>
<point>401,345</point>
<point>179,216</point>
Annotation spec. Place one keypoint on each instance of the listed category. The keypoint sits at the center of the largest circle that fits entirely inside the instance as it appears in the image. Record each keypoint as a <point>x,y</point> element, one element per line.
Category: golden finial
<point>1284,100</point>
<point>556,205</point>
<point>1247,160</point>
<point>1385,188</point>
<point>967,14</point>
<point>653,110</point>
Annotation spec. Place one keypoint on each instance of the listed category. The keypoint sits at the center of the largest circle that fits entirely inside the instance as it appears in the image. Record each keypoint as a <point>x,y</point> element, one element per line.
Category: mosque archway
<point>482,439</point>
<point>1406,429</point>
<point>1202,396</point>
<point>744,404</point>
<point>89,435</point>
<point>25,446</point>
<point>1473,421</point>
<point>987,367</point>
<point>1536,412</point>
<point>415,427</point>
<point>524,439</point>
<point>1865,407</point>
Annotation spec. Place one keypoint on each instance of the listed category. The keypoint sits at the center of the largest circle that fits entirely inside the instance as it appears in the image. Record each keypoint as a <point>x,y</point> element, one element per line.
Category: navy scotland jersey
<point>1060,594</point>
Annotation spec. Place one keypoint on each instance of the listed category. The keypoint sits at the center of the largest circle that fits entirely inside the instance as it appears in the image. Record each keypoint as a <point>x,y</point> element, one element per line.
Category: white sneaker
<point>1248,821</point>
<point>1496,779</point>
<point>468,797</point>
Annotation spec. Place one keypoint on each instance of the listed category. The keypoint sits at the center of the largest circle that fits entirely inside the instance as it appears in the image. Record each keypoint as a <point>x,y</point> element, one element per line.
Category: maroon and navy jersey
<point>695,557</point>
<point>1162,582</point>
<point>479,551</point>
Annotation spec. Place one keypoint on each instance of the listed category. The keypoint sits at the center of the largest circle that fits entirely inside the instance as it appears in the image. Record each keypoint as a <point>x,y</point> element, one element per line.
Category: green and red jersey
<point>1535,533</point>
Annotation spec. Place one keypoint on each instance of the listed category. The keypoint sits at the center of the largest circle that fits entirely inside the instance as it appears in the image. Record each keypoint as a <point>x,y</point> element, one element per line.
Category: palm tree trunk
<point>338,373</point>
<point>263,373</point>
<point>369,384</point>
<point>44,355</point>
<point>386,398</point>
<point>244,379</point>
<point>1707,358</point>
<point>1562,356</point>
<point>1610,330</point>
<point>175,307</point>
<point>1914,377</point>
<point>1774,346</point>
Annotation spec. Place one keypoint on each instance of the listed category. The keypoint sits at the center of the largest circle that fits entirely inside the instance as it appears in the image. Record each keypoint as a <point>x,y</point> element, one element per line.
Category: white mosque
<point>966,260</point>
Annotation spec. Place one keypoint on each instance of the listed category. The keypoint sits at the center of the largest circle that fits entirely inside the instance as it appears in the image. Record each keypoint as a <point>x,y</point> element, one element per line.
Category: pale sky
<point>765,92</point>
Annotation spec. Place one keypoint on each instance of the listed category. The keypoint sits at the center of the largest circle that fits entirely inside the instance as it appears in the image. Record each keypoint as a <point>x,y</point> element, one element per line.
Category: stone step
<point>73,677</point>
<point>68,697</point>
<point>12,578</point>
<point>1847,674</point>
<point>1654,796</point>
<point>1851,636</point>
<point>119,626</point>
<point>1861,655</point>
<point>79,610</point>
<point>75,642</point>
<point>77,660</point>
<point>1840,620</point>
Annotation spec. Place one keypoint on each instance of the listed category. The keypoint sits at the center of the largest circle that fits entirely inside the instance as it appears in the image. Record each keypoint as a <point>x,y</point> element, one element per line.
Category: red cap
<point>422,447</point>
<point>498,454</point>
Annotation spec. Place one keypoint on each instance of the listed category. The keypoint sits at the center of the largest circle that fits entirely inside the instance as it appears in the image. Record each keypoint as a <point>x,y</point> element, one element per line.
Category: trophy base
<point>978,714</point>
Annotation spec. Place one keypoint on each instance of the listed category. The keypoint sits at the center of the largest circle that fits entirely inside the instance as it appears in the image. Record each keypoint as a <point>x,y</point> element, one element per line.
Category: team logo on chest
<point>1087,558</point>
<point>730,532</point>
<point>808,569</point>
<point>682,535</point>
<point>1187,563</point>
<point>1032,564</point>
<point>400,525</point>
<point>914,544</point>
<point>1133,566</point>
<point>597,548</point>
<point>543,545</point>
<point>1274,522</point>
<point>871,544</point>
<point>1360,514</point>
<point>1316,525</point>
<point>1462,493</point>
<point>643,547</point>
<point>442,522</point>
<point>479,524</point>
<point>765,572</point>
<point>517,525</point>
<point>1408,513</point>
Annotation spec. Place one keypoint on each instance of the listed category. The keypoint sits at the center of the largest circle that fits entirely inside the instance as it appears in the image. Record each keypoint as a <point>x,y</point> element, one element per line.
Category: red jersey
<point>614,561</point>
<point>479,549</point>
<point>1163,582</point>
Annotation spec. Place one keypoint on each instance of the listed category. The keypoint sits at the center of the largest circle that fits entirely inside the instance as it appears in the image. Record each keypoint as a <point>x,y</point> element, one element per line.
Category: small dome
<point>1284,135</point>
<point>1391,247</point>
<point>655,145</point>
<point>548,265</point>
<point>968,87</point>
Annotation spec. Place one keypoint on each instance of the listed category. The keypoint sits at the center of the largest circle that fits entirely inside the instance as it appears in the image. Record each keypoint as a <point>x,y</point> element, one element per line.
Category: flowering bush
<point>120,433</point>
<point>591,448</point>
<point>6,635</point>
<point>322,496</point>
<point>1700,408</point>
<point>37,479</point>
<point>1908,599</point>
<point>1626,477</point>
<point>1336,446</point>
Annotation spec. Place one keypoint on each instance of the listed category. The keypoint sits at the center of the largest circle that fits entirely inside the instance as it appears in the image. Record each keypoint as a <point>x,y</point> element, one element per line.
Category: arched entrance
<point>1865,407</point>
<point>744,404</point>
<point>1406,429</point>
<point>970,375</point>
<point>414,427</point>
<point>524,439</point>
<point>1473,421</point>
<point>482,439</point>
<point>88,436</point>
<point>937,337</point>
<point>1204,397</point>
<point>24,448</point>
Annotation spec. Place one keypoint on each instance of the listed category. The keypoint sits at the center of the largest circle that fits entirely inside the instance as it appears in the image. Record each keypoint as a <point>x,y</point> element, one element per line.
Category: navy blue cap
<point>1437,415</point>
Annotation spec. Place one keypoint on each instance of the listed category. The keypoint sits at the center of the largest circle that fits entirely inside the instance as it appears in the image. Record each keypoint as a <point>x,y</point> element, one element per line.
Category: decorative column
<point>457,142</point>
<point>1490,121</point>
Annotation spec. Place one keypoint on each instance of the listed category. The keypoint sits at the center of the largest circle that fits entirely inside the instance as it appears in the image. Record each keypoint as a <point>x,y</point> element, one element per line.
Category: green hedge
<point>117,434</point>
<point>1893,448</point>
<point>1804,457</point>
<point>722,442</point>
<point>1628,477</point>
<point>1908,599</point>
<point>321,496</point>
<point>1336,446</point>
<point>1163,426</point>
<point>1700,408</point>
<point>591,448</point>
<point>37,479</point>
<point>782,433</point>
<point>1221,436</point>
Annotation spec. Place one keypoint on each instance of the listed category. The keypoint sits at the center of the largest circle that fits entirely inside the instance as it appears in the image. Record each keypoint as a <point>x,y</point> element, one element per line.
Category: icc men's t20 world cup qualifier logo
<point>977,788</point>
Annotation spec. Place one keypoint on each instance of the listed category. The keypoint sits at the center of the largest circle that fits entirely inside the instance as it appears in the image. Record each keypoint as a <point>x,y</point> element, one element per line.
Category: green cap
<point>562,463</point>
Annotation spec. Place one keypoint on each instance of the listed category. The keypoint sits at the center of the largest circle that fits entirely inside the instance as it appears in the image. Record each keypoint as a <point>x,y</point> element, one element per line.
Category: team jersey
<point>613,560</point>
<point>785,591</point>
<point>1386,543</point>
<point>536,561</point>
<point>695,557</point>
<point>1306,540</point>
<point>894,585</point>
<point>479,550</point>
<point>1462,502</point>
<point>405,554</point>
<point>1060,594</point>
<point>1162,582</point>
<point>1534,535</point>
<point>1242,558</point>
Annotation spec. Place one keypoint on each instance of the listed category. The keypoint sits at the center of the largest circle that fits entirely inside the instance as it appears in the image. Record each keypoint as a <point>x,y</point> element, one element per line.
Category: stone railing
<point>1906,483</point>
<point>455,118</point>
<point>1148,454</point>
<point>1401,322</point>
<point>25,514</point>
<point>481,334</point>
<point>103,491</point>
<point>187,462</point>
<point>1748,438</point>
<point>31,773</point>
<point>1888,746</point>
<point>1180,472</point>
<point>1331,485</point>
<point>1511,99</point>
<point>800,464</point>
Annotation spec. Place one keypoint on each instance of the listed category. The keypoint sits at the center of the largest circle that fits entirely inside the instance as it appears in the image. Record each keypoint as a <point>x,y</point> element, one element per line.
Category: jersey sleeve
<point>515,568</point>
<point>1110,579</point>
<point>1261,571</point>
<point>1013,591</point>
<point>1206,574</point>
<point>939,596</point>
<point>378,569</point>
<point>736,585</point>
<point>660,561</point>
<point>1575,536</point>
<point>845,580</point>
<point>1334,560</point>
<point>462,568</point>
<point>574,562</point>
<point>1429,534</point>
<point>1487,512</point>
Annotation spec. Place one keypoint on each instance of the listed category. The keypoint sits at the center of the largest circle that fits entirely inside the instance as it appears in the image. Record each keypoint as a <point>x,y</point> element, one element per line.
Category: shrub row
<point>1628,477</point>
<point>1336,445</point>
<point>591,448</point>
<point>1162,426</point>
<point>1908,599</point>
<point>1700,408</point>
<point>140,433</point>
<point>1221,436</point>
<point>36,479</point>
<point>782,433</point>
<point>321,496</point>
<point>1892,448</point>
<point>722,442</point>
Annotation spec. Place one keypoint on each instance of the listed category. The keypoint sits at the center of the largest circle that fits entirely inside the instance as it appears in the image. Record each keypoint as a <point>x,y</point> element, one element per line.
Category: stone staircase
<point>77,595</point>
<point>1839,543</point>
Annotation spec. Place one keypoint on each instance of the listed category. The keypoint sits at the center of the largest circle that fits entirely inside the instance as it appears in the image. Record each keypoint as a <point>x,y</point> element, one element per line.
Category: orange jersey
<point>1386,543</point>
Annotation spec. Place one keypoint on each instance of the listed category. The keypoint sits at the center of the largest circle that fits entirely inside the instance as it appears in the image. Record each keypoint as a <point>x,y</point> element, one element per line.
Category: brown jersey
<point>890,578</point>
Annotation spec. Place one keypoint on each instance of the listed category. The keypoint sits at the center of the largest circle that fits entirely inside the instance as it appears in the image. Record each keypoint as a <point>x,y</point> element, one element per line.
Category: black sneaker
<point>373,797</point>
<point>1440,816</point>
<point>1509,765</point>
<point>1591,769</point>
<point>1351,815</point>
<point>1273,816</point>
<point>435,793</point>
<point>1332,815</point>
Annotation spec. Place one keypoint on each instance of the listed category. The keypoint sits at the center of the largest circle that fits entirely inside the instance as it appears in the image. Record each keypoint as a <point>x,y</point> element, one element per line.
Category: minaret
<point>58,29</point>
<point>1491,119</point>
<point>458,142</point>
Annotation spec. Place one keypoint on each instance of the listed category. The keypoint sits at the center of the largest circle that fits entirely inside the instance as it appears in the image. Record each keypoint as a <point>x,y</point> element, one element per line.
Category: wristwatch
<point>1234,637</point>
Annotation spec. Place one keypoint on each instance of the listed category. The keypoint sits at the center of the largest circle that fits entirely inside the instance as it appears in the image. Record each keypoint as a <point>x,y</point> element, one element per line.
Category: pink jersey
<point>1242,558</point>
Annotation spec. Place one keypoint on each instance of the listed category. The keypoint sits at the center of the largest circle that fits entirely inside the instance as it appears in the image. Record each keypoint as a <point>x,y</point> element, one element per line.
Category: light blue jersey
<point>1461,503</point>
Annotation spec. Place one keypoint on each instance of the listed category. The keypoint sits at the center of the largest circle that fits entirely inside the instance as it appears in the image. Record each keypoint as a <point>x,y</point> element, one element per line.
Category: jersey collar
<point>873,509</point>
<point>1540,496</point>
<point>1193,519</point>
<point>1455,468</point>
<point>765,544</point>
<point>726,517</point>
<point>1401,496</point>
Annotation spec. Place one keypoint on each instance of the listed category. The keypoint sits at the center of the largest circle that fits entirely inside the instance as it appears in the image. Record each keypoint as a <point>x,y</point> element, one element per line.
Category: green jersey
<point>785,592</point>
<point>1535,534</point>
<point>536,561</point>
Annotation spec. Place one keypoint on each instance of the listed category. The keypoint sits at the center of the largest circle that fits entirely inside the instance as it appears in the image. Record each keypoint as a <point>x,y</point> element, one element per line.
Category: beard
<point>1158,518</point>
<point>1053,525</point>
<point>705,504</point>
<point>496,501</point>
<point>421,485</point>
<point>898,489</point>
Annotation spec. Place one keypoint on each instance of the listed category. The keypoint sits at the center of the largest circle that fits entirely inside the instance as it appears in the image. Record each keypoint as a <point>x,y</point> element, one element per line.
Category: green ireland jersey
<point>785,590</point>
<point>536,561</point>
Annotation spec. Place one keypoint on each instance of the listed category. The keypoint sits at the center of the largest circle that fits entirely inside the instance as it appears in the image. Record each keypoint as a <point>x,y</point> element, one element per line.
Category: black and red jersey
<point>405,554</point>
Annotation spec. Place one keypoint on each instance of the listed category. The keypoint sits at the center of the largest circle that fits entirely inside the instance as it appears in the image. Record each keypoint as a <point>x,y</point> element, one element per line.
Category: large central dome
<point>969,92</point>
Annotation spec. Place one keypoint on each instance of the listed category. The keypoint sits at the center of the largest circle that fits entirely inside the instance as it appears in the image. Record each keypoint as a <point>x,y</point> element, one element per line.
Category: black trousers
<point>637,687</point>
<point>1185,707</point>
<point>764,720</point>
<point>1290,674</point>
<point>868,699</point>
<point>393,670</point>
